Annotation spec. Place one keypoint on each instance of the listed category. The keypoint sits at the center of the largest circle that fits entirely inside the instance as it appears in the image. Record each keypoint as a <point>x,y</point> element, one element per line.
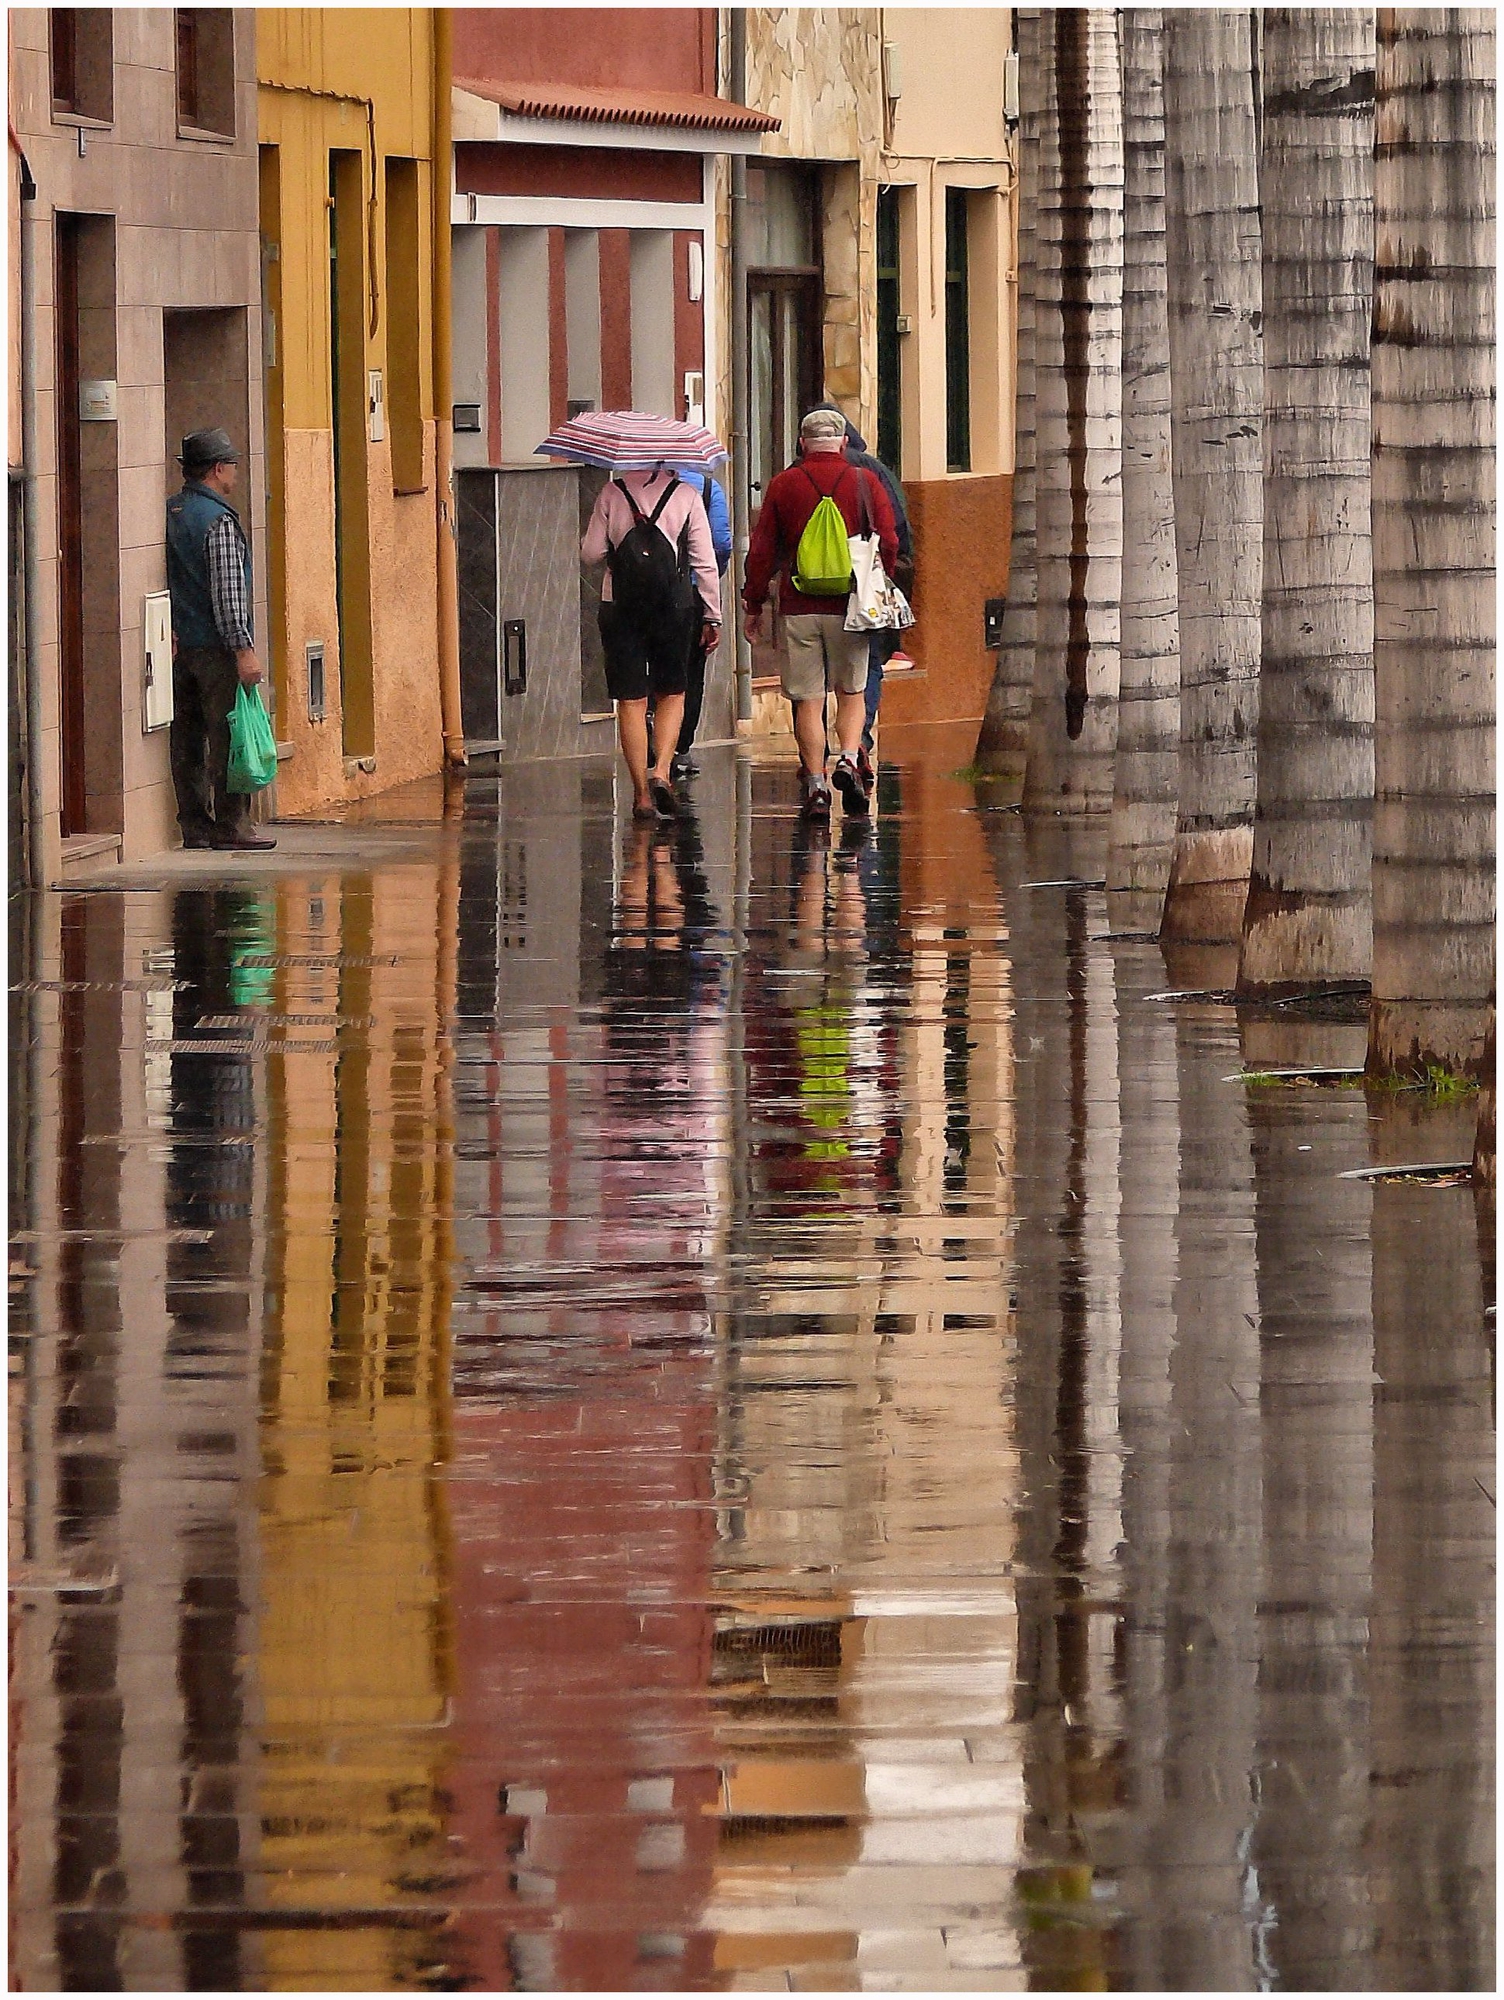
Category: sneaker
<point>848,782</point>
<point>816,798</point>
<point>866,770</point>
<point>682,768</point>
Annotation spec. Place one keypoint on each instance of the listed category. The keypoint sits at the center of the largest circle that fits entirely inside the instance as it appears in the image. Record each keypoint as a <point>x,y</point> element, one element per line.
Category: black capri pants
<point>643,660</point>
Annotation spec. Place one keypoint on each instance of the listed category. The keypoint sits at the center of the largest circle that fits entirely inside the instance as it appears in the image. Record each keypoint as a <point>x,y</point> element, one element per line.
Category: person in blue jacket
<point>714,496</point>
<point>882,645</point>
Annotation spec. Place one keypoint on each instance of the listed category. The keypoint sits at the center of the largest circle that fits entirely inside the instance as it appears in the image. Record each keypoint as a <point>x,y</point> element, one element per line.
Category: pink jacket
<point>612,519</point>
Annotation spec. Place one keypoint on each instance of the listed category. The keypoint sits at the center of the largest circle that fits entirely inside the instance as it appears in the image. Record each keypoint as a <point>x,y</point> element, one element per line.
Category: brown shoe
<point>242,839</point>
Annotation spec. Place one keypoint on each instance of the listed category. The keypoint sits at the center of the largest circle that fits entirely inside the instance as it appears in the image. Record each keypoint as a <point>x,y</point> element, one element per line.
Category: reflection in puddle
<point>607,1408</point>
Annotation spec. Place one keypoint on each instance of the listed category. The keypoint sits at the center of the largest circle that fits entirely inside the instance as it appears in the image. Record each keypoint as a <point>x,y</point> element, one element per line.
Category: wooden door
<point>70,532</point>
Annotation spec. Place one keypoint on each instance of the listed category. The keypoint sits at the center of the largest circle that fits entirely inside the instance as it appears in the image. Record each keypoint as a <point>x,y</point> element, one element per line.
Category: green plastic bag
<point>253,748</point>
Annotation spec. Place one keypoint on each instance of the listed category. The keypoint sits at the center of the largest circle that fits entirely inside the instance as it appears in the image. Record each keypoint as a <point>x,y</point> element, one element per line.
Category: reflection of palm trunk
<point>1147,773</point>
<point>1078,329</point>
<point>1150,1088</point>
<point>1431,1833</point>
<point>1307,919</point>
<point>1214,1570</point>
<point>1312,1238</point>
<point>1433,541</point>
<point>1212,247</point>
<point>1067,1688</point>
<point>1003,742</point>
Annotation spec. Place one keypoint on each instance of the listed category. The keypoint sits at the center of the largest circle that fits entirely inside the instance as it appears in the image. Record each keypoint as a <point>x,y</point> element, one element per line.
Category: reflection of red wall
<point>641,48</point>
<point>564,1686</point>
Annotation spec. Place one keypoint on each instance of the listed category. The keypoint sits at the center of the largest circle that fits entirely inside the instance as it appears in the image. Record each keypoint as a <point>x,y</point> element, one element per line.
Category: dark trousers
<point>694,697</point>
<point>881,646</point>
<point>204,686</point>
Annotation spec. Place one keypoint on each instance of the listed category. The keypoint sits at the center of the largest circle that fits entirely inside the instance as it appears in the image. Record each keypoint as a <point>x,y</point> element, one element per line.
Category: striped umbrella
<point>632,441</point>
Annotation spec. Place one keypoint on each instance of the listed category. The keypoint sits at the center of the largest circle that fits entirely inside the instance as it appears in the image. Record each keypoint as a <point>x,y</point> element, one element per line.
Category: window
<point>82,45</point>
<point>957,335</point>
<point>405,347</point>
<point>206,71</point>
<point>889,381</point>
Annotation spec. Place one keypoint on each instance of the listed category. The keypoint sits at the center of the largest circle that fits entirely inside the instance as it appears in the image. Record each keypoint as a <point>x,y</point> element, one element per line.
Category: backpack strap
<point>663,499</point>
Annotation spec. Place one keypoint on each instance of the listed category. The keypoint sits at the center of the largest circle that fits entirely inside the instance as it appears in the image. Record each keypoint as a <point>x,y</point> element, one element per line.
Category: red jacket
<point>787,505</point>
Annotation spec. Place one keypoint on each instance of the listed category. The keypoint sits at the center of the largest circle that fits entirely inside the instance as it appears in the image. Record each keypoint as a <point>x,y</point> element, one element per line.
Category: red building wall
<point>625,48</point>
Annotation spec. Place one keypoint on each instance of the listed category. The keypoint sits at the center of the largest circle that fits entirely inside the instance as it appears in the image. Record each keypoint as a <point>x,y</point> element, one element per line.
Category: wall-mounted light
<point>696,270</point>
<point>1010,87</point>
<point>466,418</point>
<point>892,72</point>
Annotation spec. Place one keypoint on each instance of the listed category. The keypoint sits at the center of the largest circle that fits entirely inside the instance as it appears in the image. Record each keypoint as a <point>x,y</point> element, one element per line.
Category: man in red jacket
<point>821,652</point>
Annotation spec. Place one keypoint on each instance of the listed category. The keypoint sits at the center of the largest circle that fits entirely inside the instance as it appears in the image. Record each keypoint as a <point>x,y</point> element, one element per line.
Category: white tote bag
<point>869,608</point>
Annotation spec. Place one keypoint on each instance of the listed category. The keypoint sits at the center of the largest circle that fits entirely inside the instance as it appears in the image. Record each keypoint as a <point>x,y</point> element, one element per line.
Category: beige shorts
<point>822,654</point>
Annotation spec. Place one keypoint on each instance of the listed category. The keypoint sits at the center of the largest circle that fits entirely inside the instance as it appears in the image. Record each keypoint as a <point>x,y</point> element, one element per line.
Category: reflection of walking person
<point>660,591</point>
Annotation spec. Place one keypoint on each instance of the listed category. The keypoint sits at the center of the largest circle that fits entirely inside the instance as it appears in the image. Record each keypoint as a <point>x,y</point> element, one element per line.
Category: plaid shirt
<point>224,553</point>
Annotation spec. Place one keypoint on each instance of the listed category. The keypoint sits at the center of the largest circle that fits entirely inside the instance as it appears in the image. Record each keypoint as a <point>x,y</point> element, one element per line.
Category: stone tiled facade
<point>177,232</point>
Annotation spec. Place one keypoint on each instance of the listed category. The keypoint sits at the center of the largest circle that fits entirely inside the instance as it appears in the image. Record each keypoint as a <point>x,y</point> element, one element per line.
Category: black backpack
<point>651,580</point>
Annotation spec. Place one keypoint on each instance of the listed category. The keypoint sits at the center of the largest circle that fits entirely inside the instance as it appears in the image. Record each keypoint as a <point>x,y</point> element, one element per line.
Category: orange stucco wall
<point>961,533</point>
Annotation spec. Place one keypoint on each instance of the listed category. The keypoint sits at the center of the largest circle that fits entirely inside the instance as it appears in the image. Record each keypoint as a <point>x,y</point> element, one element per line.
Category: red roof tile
<point>688,109</point>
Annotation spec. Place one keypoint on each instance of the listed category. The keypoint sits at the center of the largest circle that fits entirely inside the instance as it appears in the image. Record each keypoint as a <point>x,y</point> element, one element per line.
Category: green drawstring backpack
<point>253,748</point>
<point>822,561</point>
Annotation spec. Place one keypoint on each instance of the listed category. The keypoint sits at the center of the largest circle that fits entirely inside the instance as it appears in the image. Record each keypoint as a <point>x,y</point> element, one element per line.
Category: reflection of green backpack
<point>822,561</point>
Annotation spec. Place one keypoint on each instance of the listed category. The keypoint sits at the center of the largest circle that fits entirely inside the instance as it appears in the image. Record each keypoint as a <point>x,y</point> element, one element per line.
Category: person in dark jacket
<point>881,646</point>
<point>821,653</point>
<point>213,647</point>
<point>719,515</point>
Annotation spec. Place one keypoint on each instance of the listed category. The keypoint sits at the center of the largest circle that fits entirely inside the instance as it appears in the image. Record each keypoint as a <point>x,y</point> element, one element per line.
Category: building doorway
<point>91,704</point>
<point>785,361</point>
<point>348,391</point>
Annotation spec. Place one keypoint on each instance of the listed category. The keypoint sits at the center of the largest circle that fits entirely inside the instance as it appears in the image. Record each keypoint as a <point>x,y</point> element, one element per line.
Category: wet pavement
<point>730,1410</point>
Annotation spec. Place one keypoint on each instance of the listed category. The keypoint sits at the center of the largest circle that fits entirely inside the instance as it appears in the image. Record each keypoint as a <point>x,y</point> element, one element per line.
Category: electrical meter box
<point>156,632</point>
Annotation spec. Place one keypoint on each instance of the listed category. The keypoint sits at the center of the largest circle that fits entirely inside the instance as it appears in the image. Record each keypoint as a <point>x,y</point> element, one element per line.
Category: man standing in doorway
<point>821,652</point>
<point>213,650</point>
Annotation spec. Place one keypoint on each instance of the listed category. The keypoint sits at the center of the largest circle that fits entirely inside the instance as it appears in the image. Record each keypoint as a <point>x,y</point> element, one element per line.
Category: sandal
<point>664,801</point>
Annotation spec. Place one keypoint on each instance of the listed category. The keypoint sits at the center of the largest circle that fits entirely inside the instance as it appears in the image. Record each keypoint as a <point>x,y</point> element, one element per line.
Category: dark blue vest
<point>190,516</point>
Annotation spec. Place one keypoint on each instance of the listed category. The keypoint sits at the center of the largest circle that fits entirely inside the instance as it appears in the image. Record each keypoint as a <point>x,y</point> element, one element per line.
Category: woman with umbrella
<point>661,592</point>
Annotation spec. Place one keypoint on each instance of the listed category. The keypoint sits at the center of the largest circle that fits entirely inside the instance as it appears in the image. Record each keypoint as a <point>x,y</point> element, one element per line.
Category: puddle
<point>764,1415</point>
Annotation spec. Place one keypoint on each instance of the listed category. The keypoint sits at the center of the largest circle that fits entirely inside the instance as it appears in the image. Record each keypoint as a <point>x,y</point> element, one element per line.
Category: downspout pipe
<point>35,868</point>
<point>741,492</point>
<point>441,177</point>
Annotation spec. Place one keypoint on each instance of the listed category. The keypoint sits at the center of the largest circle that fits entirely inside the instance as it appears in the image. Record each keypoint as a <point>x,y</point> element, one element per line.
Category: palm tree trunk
<point>1003,741</point>
<point>1433,541</point>
<point>1079,336</point>
<point>1147,775</point>
<point>1308,920</point>
<point>1216,374</point>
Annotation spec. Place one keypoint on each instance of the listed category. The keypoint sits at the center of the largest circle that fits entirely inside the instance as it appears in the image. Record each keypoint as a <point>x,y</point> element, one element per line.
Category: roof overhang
<point>665,120</point>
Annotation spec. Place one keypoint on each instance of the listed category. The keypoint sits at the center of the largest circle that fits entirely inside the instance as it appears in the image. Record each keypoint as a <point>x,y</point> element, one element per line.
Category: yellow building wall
<point>357,80</point>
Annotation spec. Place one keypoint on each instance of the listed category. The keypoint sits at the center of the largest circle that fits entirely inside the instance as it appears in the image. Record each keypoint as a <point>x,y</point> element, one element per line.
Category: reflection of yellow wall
<point>356,81</point>
<point>354,1664</point>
